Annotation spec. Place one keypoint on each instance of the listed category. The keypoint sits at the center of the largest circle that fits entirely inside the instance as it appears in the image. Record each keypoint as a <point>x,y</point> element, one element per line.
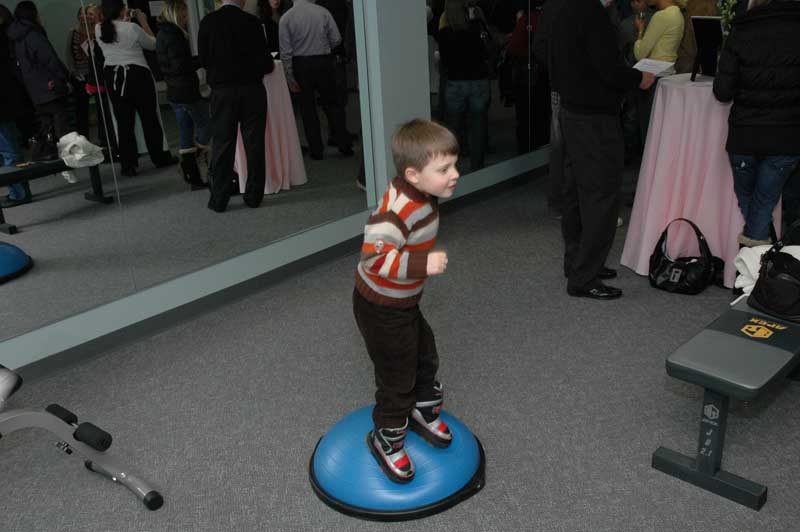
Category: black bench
<point>737,356</point>
<point>14,174</point>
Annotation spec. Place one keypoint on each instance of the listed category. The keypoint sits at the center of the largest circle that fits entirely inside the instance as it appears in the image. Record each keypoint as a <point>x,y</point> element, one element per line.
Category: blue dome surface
<point>13,262</point>
<point>346,473</point>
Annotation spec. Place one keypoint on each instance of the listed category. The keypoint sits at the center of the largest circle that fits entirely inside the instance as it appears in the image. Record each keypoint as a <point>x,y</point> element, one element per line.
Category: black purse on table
<point>684,275</point>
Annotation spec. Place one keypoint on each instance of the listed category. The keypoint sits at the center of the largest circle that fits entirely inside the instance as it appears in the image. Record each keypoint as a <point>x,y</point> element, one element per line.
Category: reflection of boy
<point>396,258</point>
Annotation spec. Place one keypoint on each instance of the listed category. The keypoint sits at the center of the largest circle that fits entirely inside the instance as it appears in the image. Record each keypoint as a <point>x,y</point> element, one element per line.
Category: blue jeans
<point>11,154</point>
<point>193,122</point>
<point>470,96</point>
<point>757,182</point>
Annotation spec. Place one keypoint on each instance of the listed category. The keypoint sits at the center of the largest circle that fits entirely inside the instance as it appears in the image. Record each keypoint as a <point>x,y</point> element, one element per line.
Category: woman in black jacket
<point>43,74</point>
<point>10,150</point>
<point>759,70</point>
<point>183,88</point>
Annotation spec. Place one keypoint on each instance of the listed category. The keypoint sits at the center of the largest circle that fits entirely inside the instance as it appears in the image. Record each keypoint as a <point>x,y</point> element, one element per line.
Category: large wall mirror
<point>159,227</point>
<point>90,256</point>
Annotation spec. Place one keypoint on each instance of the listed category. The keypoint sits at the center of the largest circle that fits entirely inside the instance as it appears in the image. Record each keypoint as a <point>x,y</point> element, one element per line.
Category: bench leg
<point>6,228</point>
<point>705,469</point>
<point>97,193</point>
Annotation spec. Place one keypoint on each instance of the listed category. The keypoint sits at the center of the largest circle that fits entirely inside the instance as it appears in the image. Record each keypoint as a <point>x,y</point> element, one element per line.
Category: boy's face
<point>438,177</point>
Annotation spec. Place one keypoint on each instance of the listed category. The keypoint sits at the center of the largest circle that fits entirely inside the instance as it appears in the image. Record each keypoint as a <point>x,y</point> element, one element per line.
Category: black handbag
<point>684,275</point>
<point>777,290</point>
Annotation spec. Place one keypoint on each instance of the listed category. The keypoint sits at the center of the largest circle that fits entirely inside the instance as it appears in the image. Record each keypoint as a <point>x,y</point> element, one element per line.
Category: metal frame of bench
<point>705,468</point>
<point>44,169</point>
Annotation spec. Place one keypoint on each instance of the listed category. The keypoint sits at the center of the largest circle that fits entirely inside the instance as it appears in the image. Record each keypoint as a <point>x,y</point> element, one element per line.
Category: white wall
<point>58,18</point>
<point>397,59</point>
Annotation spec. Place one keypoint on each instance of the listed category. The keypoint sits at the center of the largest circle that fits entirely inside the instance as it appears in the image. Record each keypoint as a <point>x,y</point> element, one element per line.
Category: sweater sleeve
<point>655,30</point>
<point>147,42</point>
<point>46,55</point>
<point>382,253</point>
<point>727,77</point>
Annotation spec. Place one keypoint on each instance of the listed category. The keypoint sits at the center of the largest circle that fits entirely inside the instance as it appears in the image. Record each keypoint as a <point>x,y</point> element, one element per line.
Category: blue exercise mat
<point>346,476</point>
<point>13,262</point>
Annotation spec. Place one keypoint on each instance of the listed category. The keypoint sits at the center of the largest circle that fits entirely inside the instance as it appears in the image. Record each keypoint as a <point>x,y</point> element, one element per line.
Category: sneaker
<point>426,422</point>
<point>361,185</point>
<point>620,222</point>
<point>69,177</point>
<point>387,446</point>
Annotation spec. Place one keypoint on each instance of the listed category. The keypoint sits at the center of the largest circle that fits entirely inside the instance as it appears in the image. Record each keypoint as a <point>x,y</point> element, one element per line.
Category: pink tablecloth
<point>685,173</point>
<point>285,167</point>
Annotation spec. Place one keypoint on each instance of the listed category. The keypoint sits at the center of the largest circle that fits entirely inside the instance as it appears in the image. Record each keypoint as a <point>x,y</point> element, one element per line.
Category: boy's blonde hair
<point>415,143</point>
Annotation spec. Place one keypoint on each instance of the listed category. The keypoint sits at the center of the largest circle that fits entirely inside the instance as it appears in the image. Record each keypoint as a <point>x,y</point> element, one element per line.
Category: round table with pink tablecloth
<point>685,173</point>
<point>285,167</point>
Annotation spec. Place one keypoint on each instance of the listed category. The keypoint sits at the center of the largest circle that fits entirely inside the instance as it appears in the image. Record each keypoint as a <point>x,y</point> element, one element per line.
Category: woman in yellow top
<point>663,35</point>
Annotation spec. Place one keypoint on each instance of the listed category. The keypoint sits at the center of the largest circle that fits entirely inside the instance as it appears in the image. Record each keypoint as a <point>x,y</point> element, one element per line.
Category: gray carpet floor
<point>569,397</point>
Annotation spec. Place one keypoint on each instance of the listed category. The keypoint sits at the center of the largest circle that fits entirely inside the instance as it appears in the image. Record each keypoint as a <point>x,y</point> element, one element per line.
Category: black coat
<point>9,84</point>
<point>759,70</point>
<point>177,64</point>
<point>233,49</point>
<point>579,42</point>
<point>38,62</point>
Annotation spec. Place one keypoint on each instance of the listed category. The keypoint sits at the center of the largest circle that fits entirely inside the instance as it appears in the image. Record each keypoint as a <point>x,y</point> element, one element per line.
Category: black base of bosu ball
<point>346,476</point>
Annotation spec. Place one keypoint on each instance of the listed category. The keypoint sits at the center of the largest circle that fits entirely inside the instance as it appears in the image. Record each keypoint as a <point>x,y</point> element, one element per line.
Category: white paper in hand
<point>657,68</point>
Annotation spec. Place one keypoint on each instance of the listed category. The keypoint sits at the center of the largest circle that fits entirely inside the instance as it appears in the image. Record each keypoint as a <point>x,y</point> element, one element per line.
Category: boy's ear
<point>411,175</point>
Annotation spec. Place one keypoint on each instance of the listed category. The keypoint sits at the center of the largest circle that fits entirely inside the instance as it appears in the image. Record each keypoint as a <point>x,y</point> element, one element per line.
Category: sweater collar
<point>410,190</point>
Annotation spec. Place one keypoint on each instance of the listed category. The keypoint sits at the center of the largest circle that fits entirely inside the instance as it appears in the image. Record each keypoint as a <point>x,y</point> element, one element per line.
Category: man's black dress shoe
<point>596,291</point>
<point>604,273</point>
<point>607,273</point>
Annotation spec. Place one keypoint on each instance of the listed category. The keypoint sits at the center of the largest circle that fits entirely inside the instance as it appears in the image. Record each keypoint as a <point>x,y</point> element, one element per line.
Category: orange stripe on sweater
<point>385,283</point>
<point>395,267</point>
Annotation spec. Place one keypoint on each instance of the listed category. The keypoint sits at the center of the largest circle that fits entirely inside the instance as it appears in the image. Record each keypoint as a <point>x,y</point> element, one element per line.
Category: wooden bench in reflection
<point>14,174</point>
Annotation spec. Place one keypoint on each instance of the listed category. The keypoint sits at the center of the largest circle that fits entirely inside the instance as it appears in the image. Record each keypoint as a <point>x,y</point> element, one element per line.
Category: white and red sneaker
<point>387,446</point>
<point>426,422</point>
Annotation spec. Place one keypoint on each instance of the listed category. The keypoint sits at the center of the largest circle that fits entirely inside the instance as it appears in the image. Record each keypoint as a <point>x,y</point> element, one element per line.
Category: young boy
<point>396,258</point>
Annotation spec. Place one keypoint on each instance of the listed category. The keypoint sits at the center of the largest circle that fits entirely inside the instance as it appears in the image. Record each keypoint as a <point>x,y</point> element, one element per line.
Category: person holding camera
<point>130,83</point>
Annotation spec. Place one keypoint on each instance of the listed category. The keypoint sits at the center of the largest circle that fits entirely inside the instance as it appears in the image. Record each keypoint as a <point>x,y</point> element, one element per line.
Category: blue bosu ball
<point>345,475</point>
<point>13,262</point>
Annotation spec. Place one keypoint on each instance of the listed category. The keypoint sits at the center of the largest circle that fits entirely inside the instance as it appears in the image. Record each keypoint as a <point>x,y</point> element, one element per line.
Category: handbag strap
<point>705,251</point>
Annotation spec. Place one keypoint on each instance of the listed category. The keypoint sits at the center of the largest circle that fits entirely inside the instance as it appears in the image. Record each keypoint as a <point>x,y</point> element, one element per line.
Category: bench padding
<point>738,354</point>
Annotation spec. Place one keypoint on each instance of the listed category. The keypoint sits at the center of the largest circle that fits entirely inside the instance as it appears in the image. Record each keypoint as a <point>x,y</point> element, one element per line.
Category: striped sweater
<point>397,239</point>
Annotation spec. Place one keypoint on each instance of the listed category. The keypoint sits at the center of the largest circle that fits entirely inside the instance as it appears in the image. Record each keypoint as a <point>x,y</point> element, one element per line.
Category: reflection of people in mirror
<point>308,36</point>
<point>232,49</point>
<point>183,90</point>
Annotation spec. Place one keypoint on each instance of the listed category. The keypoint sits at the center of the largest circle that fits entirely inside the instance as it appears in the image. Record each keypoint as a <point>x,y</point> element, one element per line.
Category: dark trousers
<point>53,118</point>
<point>555,173</point>
<point>81,99</point>
<point>316,74</point>
<point>134,92</point>
<point>103,108</point>
<point>644,106</point>
<point>593,180</point>
<point>232,107</point>
<point>532,107</point>
<point>403,350</point>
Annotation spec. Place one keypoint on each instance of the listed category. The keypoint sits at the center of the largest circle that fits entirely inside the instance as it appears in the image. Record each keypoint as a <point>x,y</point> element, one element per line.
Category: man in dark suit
<point>587,69</point>
<point>233,51</point>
